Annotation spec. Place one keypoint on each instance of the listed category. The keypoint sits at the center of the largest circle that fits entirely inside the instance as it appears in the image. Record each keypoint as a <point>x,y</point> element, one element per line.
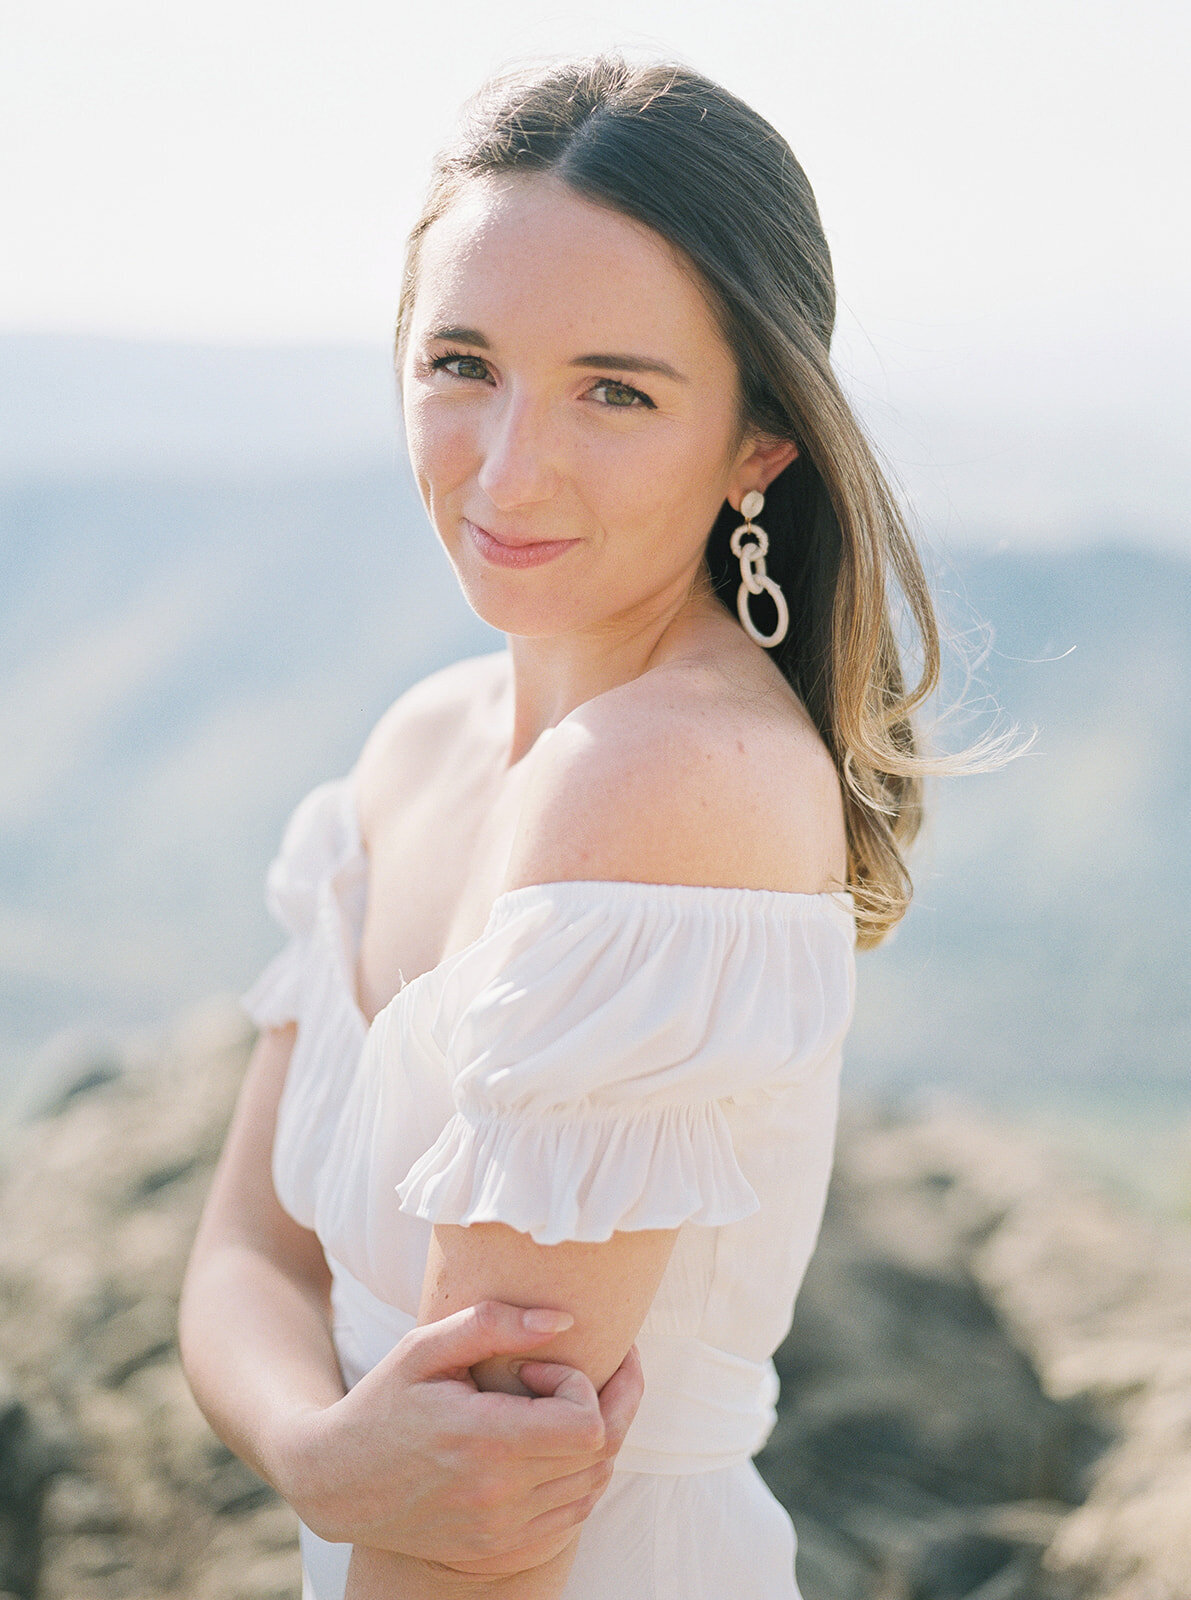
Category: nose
<point>519,466</point>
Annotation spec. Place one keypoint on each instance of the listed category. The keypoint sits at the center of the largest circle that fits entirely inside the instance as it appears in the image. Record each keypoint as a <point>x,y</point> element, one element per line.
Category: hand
<point>417,1459</point>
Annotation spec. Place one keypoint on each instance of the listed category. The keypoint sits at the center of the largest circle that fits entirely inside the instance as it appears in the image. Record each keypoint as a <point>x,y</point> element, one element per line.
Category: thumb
<point>492,1328</point>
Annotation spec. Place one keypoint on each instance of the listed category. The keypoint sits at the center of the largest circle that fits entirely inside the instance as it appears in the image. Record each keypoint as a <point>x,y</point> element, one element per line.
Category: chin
<point>526,616</point>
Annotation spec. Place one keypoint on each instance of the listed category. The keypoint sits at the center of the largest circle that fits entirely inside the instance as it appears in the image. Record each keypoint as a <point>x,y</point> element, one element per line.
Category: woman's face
<point>571,409</point>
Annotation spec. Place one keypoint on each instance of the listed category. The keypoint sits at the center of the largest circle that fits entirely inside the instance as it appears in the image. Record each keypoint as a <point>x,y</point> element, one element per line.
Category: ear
<point>761,459</point>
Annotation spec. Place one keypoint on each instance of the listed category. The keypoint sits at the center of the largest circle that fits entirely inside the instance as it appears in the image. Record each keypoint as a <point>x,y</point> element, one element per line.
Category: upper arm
<point>608,1289</point>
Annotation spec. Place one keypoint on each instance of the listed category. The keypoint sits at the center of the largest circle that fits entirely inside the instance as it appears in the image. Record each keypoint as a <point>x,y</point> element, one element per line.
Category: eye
<point>620,396</point>
<point>459,365</point>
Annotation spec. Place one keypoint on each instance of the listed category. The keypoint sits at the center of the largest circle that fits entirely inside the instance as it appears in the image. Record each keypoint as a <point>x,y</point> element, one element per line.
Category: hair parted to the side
<point>669,148</point>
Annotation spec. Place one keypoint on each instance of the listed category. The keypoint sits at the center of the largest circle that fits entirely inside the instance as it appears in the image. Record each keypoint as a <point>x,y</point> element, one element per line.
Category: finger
<point>540,1539</point>
<point>620,1397</point>
<point>569,1488</point>
<point>542,1429</point>
<point>554,1379</point>
<point>550,1524</point>
<point>491,1328</point>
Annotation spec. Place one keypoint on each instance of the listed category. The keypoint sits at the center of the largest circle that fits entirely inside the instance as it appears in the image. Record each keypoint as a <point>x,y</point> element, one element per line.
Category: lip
<point>516,553</point>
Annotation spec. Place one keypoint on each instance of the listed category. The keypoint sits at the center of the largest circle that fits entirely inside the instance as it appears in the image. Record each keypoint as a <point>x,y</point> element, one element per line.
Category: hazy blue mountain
<point>1048,943</point>
<point>191,637</point>
<point>179,661</point>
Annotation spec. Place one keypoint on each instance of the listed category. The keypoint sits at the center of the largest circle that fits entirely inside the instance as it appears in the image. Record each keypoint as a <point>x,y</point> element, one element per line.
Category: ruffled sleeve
<point>596,1038</point>
<point>321,835</point>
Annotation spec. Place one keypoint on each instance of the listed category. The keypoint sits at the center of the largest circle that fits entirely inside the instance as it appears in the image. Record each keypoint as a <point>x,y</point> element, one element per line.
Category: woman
<point>573,944</point>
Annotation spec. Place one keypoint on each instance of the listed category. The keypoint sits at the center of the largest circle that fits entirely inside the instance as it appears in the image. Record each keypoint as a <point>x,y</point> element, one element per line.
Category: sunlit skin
<point>564,379</point>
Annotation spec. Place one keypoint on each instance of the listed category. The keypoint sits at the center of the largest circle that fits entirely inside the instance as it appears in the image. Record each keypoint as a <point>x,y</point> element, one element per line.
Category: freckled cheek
<point>441,450</point>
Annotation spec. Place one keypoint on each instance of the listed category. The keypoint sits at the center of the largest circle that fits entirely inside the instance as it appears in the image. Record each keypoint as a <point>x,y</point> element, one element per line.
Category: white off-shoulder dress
<point>606,1055</point>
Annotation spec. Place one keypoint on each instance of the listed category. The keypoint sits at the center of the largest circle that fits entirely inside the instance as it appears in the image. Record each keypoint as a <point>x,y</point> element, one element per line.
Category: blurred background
<point>215,575</point>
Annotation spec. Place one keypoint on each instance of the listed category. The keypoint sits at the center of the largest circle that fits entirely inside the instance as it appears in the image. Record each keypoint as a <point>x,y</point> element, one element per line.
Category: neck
<point>552,676</point>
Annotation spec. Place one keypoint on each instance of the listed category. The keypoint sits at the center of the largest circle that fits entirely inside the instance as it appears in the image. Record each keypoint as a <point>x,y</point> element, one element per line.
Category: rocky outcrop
<point>97,1209</point>
<point>1096,1298</point>
<point>916,1446</point>
<point>986,1393</point>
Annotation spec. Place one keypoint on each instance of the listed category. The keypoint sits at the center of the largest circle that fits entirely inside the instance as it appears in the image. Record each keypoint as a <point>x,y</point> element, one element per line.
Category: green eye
<point>621,396</point>
<point>460,366</point>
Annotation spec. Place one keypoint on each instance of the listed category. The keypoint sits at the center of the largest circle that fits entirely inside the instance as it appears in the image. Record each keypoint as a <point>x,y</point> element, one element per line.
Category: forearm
<point>257,1350</point>
<point>378,1575</point>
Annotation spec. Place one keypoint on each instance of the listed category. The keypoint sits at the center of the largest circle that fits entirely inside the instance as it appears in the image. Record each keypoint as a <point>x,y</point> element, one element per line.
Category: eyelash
<point>442,364</point>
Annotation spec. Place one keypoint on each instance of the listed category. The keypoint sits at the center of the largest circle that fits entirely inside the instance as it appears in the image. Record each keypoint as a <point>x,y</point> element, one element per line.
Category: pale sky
<point>1003,183</point>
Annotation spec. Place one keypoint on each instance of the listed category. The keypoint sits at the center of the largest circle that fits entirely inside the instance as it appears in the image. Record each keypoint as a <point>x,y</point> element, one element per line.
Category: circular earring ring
<point>781,627</point>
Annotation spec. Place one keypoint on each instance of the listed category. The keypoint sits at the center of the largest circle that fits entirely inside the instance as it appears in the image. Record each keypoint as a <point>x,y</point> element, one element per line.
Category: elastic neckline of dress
<point>839,899</point>
<point>838,902</point>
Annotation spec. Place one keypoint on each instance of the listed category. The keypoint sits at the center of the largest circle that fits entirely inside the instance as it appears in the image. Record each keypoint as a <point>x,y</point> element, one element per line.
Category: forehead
<point>521,254</point>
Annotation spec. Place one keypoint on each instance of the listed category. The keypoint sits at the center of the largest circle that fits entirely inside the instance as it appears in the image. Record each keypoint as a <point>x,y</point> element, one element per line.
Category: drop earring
<point>749,545</point>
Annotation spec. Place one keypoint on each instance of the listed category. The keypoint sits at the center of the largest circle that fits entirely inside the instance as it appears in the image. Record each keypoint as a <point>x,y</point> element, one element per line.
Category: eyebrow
<point>631,364</point>
<point>621,363</point>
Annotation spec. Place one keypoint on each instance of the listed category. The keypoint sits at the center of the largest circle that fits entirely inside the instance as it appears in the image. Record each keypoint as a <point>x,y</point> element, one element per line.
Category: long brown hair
<point>671,149</point>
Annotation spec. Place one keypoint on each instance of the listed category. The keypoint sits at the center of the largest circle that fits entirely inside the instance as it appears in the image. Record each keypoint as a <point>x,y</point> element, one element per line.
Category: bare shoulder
<point>684,776</point>
<point>425,719</point>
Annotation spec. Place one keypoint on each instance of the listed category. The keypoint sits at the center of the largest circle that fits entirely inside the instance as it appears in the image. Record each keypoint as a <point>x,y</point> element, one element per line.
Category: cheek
<point>671,478</point>
<point>439,443</point>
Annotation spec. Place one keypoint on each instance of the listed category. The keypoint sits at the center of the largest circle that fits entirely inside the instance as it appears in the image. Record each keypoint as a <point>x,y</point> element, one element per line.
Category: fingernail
<point>546,1321</point>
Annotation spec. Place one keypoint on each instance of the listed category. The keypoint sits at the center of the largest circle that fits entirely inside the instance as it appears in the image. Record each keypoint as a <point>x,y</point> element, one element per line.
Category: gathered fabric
<point>491,1168</point>
<point>606,1056</point>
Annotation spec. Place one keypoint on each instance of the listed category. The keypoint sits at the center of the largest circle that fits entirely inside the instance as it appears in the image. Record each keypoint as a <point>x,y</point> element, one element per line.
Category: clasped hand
<point>417,1459</point>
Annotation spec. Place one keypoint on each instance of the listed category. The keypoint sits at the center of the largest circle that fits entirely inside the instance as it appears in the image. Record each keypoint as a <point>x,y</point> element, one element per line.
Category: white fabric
<point>604,1056</point>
